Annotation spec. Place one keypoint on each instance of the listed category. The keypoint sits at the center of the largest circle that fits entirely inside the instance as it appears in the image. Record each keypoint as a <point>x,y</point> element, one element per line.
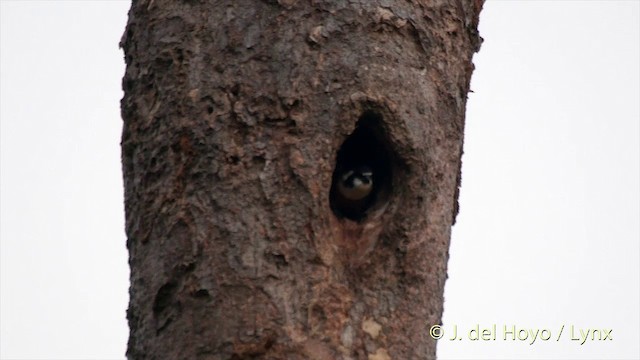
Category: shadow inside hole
<point>366,148</point>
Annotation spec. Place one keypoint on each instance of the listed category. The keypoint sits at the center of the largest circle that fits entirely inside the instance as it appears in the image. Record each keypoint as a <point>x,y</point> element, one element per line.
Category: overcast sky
<point>548,233</point>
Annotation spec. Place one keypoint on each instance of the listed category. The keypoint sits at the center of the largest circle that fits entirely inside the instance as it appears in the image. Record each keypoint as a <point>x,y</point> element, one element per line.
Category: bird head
<point>357,183</point>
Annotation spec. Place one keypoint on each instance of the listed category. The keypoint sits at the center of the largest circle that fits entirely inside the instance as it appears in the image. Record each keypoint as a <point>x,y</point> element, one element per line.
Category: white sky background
<point>548,233</point>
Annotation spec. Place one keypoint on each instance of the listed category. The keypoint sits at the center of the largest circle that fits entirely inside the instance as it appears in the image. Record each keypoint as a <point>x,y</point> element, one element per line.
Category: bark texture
<point>235,113</point>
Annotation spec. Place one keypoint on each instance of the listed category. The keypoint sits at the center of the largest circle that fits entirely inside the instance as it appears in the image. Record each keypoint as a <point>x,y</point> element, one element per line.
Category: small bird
<point>354,192</point>
<point>356,184</point>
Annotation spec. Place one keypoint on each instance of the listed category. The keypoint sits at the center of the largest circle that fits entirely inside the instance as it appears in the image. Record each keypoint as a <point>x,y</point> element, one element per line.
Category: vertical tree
<point>241,118</point>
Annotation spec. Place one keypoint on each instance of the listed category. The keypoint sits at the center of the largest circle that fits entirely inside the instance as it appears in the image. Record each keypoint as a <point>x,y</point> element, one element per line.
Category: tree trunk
<point>241,119</point>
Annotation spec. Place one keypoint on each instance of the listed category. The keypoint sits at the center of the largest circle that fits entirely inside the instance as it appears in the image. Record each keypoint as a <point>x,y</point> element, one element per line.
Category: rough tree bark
<point>236,115</point>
